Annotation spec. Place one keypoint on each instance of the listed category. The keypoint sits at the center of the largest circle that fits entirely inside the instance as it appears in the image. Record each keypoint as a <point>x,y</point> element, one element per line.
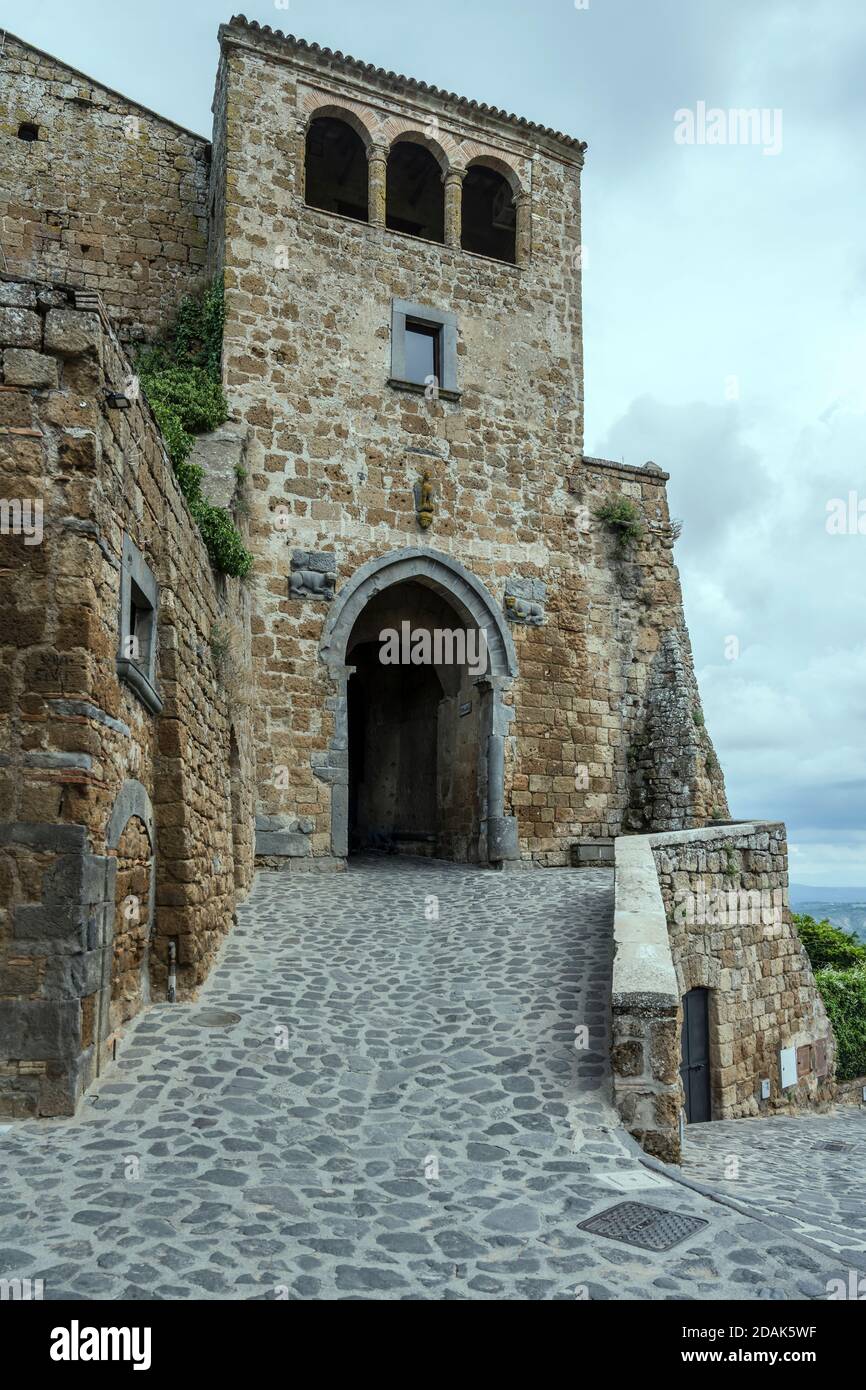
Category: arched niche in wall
<point>335,166</point>
<point>489,216</point>
<point>415,202</point>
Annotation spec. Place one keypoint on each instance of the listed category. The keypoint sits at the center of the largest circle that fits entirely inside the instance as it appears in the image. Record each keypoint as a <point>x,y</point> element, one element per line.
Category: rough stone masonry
<point>403,364</point>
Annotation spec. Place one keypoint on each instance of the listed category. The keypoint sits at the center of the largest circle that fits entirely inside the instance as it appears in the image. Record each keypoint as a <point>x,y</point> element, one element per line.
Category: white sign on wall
<point>788,1066</point>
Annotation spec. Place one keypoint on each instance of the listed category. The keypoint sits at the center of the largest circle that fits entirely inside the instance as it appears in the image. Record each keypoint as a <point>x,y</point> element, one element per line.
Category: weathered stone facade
<point>97,191</point>
<point>118,792</point>
<point>338,451</point>
<point>163,725</point>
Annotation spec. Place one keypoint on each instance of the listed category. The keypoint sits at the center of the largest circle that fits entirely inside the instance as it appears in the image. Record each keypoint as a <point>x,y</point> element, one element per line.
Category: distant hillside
<point>804,892</point>
<point>844,907</point>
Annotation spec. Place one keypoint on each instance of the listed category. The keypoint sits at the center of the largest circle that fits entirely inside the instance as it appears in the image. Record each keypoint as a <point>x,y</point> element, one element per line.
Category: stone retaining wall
<point>92,741</point>
<point>708,908</point>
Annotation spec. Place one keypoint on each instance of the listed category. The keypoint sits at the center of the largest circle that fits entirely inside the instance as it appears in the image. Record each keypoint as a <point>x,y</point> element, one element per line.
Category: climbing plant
<point>181,379</point>
<point>623,518</point>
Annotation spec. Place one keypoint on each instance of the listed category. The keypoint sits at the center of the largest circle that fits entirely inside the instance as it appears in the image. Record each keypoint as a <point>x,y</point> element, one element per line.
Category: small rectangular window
<point>423,349</point>
<point>136,656</point>
<point>422,352</point>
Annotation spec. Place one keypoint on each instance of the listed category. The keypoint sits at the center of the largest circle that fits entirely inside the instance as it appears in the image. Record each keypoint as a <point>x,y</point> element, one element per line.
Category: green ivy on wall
<point>181,379</point>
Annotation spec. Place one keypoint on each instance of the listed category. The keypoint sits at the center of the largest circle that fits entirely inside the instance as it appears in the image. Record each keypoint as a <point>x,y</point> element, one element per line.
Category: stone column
<point>523,235</point>
<point>499,831</point>
<point>453,182</point>
<point>377,167</point>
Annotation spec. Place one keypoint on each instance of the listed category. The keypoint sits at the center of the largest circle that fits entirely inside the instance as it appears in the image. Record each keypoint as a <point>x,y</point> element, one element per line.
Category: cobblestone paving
<point>398,1111</point>
<point>808,1170</point>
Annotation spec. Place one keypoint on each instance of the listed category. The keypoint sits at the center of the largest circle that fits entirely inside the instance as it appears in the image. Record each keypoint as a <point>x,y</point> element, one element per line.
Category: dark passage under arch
<point>336,168</point>
<point>415,193</point>
<point>489,224</point>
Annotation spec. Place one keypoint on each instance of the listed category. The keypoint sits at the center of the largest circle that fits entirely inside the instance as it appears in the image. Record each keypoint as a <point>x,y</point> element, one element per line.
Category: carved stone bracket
<point>314,575</point>
<point>525,600</point>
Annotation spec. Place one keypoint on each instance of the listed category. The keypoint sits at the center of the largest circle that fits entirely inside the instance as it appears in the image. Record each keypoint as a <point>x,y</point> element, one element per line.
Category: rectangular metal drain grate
<point>832,1146</point>
<point>649,1228</point>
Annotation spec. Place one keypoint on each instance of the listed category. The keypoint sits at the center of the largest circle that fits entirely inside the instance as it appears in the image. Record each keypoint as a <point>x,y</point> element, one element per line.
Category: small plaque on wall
<point>466,709</point>
<point>788,1067</point>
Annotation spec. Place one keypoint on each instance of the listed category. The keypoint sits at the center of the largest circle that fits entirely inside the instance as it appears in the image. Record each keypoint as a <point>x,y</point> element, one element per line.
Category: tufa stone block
<point>20,328</point>
<point>72,332</point>
<point>24,367</point>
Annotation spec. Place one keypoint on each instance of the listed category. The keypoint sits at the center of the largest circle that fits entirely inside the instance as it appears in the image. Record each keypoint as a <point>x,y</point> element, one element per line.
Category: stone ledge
<point>631,470</point>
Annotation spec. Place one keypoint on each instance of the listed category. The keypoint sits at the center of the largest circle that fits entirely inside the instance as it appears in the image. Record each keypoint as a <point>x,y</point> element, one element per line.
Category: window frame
<point>139,599</point>
<point>442,325</point>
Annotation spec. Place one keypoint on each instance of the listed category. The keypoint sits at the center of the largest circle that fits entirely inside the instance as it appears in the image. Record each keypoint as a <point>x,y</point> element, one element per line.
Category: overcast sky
<point>725,311</point>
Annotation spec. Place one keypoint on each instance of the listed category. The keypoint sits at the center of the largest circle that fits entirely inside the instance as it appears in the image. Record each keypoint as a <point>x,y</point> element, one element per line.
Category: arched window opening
<point>489,215</point>
<point>336,168</point>
<point>416,195</point>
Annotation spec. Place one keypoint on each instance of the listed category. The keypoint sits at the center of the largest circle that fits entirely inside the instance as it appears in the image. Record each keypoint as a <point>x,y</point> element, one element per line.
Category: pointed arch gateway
<point>443,723</point>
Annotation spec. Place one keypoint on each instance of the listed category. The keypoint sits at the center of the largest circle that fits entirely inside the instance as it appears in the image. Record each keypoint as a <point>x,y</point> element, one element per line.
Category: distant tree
<point>828,946</point>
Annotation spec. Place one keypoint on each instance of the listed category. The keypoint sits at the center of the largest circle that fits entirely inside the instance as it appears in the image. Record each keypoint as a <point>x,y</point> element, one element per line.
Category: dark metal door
<point>695,1069</point>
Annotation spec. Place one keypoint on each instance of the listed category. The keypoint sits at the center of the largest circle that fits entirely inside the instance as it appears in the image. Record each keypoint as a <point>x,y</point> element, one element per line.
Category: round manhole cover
<point>214,1018</point>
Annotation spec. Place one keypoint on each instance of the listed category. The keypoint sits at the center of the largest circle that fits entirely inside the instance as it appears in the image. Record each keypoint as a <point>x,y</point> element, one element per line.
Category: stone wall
<point>107,195</point>
<point>725,892</point>
<point>646,1011</point>
<point>90,745</point>
<point>338,454</point>
<point>708,909</point>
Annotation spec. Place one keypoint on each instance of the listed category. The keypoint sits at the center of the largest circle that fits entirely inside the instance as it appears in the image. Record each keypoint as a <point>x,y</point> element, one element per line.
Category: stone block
<point>20,328</point>
<point>17,296</point>
<point>282,843</point>
<point>627,1059</point>
<point>72,332</point>
<point>219,455</point>
<point>24,367</point>
<point>39,1029</point>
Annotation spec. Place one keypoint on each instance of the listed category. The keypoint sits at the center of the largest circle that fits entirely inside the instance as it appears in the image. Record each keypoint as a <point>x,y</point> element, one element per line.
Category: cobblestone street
<point>807,1171</point>
<point>372,1101</point>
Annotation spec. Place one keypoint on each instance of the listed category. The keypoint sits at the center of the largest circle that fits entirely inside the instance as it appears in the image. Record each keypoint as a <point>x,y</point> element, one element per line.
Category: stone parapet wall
<point>708,909</point>
<point>725,891</point>
<point>645,1045</point>
<point>107,195</point>
<point>84,752</point>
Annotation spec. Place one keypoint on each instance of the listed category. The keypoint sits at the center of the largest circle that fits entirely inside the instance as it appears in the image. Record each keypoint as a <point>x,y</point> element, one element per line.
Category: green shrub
<point>181,379</point>
<point>828,946</point>
<point>191,394</point>
<point>223,539</point>
<point>198,330</point>
<point>623,517</point>
<point>844,995</point>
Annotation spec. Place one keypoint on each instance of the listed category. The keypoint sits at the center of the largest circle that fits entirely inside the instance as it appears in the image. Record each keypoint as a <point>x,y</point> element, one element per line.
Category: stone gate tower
<point>403,340</point>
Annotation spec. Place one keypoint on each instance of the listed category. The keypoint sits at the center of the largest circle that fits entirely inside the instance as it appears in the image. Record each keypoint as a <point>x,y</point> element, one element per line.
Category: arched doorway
<point>420,657</point>
<point>414,732</point>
